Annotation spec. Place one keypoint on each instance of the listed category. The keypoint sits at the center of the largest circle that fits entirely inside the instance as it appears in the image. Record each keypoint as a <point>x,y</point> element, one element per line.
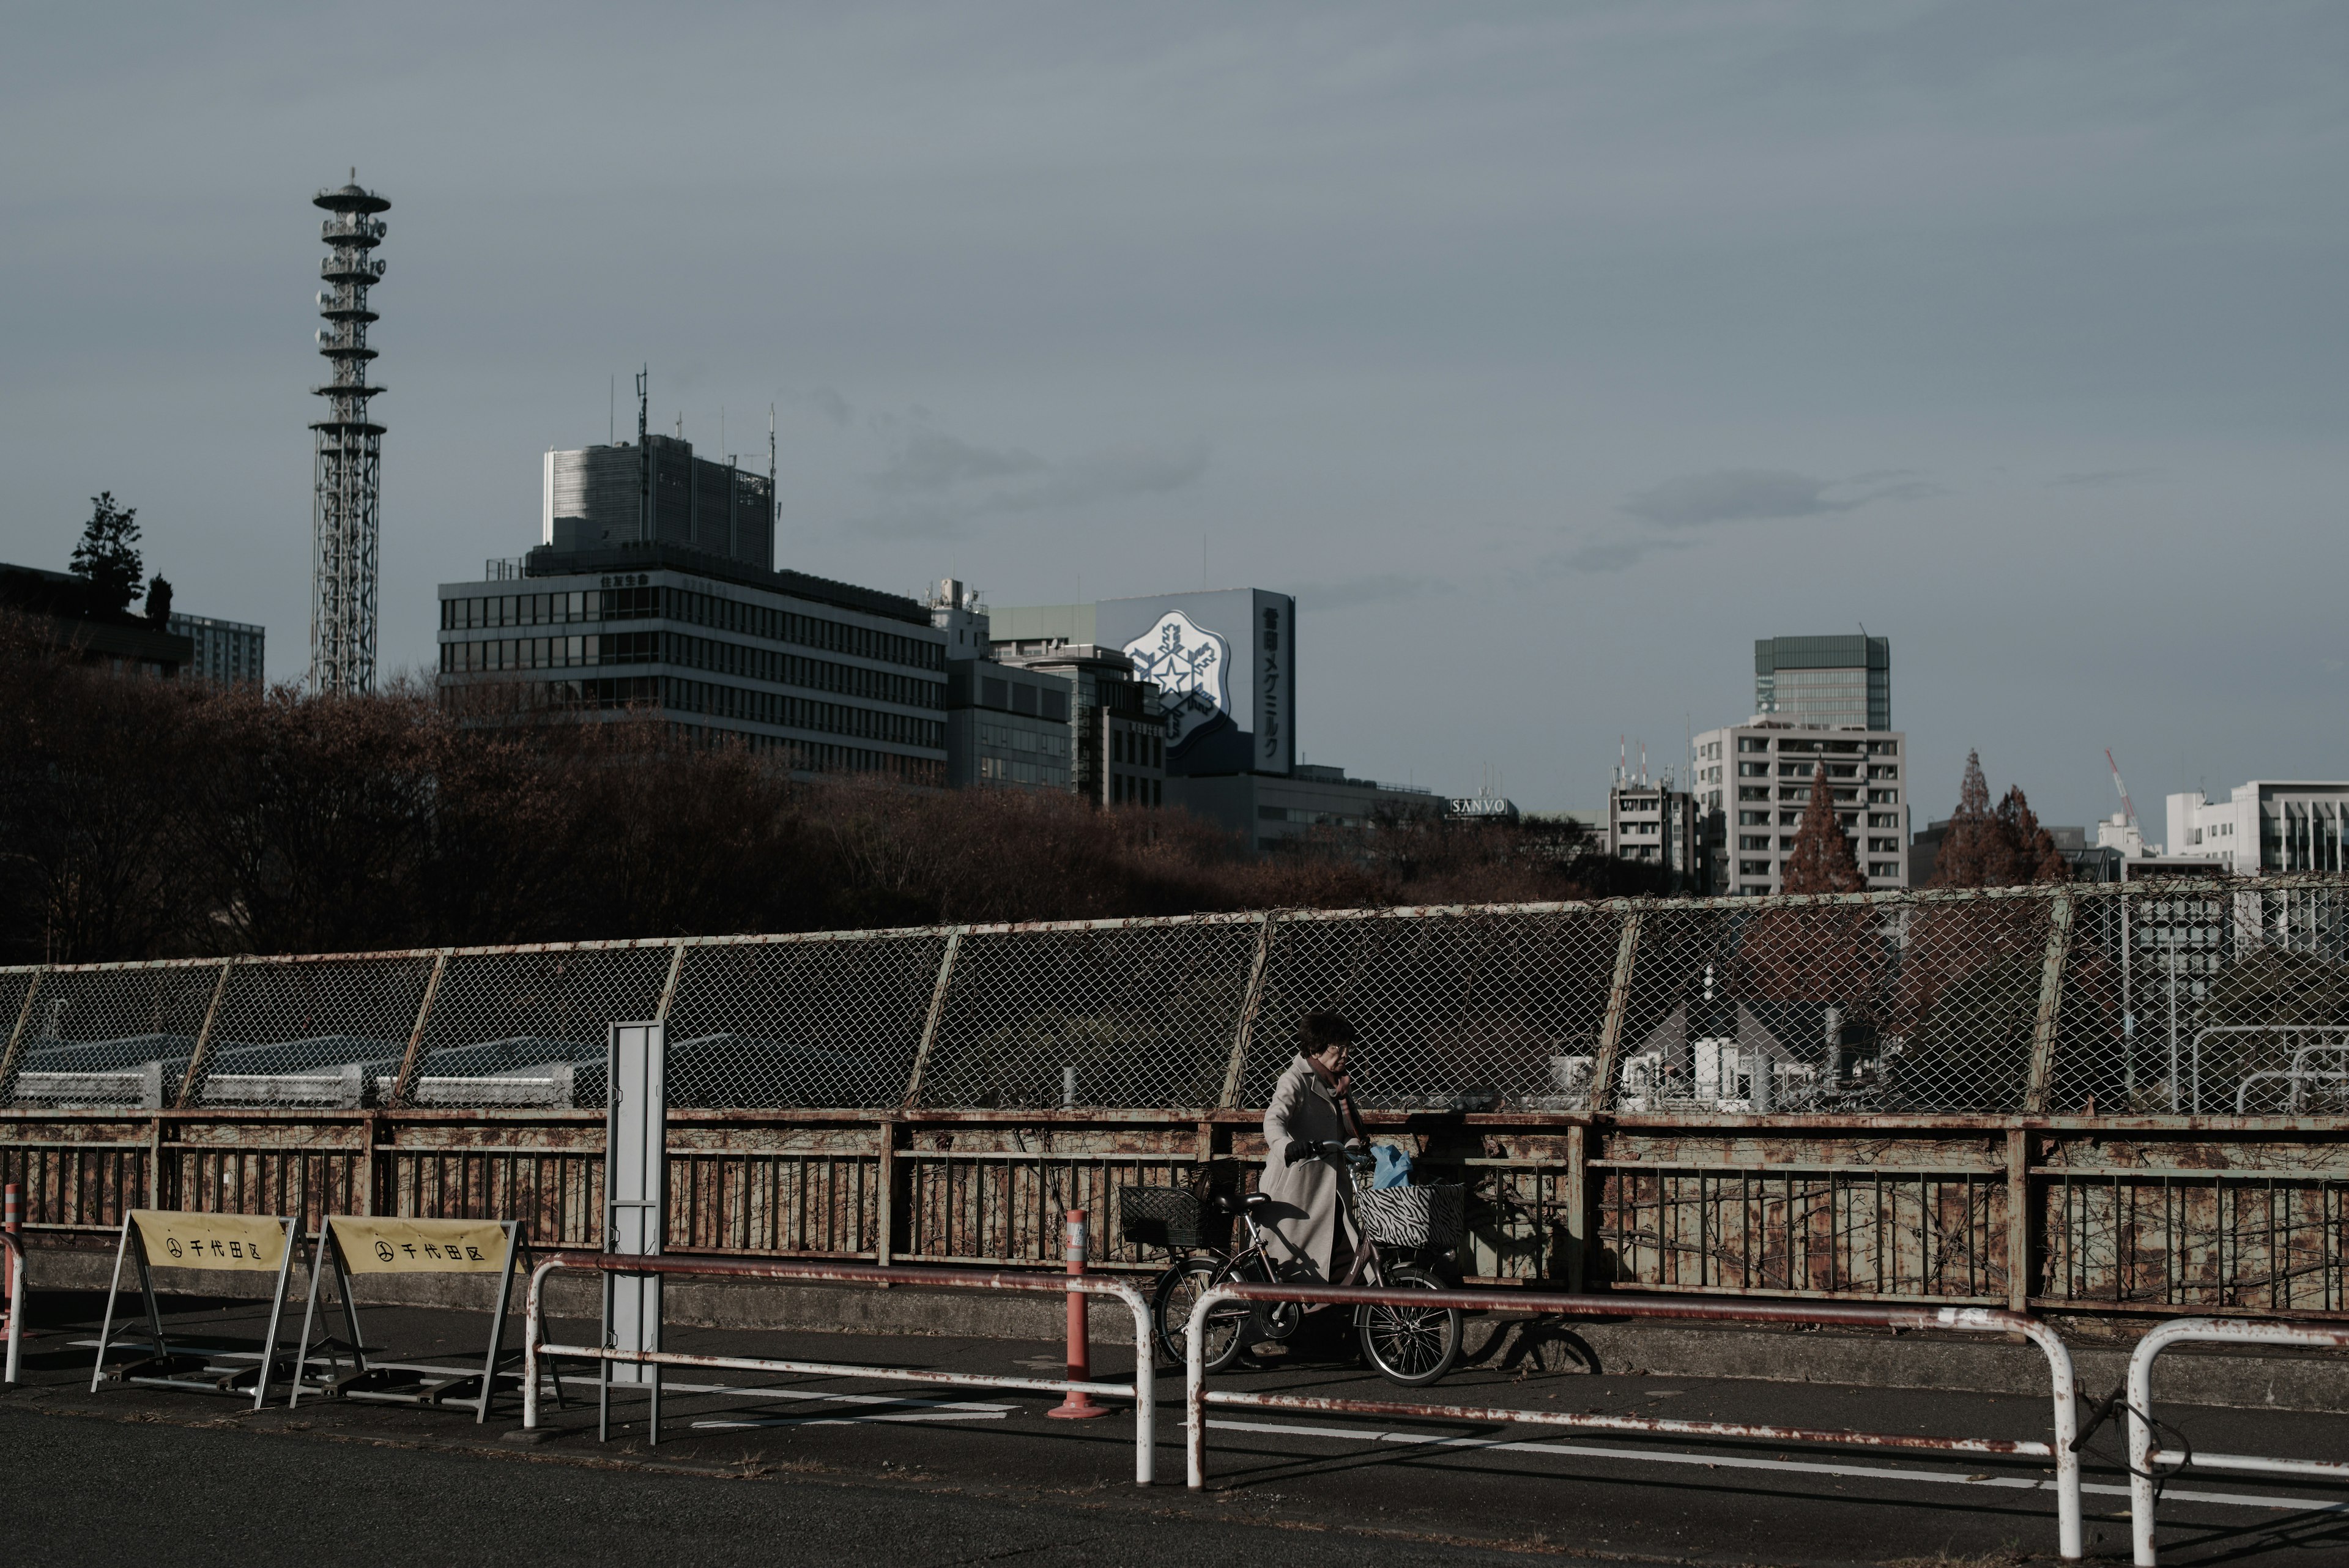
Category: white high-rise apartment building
<point>1753,780</point>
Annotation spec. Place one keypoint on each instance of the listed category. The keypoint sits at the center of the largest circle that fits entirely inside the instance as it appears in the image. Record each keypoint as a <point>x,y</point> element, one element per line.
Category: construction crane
<point>2128,805</point>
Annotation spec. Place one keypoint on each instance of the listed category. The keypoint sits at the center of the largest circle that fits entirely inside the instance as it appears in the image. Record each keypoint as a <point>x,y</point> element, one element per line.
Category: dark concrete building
<point>836,678</point>
<point>62,604</point>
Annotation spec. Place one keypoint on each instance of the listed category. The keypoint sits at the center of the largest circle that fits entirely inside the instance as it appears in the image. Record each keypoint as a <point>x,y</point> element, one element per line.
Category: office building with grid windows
<point>1833,680</point>
<point>227,652</point>
<point>1753,780</point>
<point>835,678</point>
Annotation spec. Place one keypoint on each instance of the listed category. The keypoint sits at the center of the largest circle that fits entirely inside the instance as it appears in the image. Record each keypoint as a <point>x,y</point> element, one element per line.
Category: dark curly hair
<point>1316,1032</point>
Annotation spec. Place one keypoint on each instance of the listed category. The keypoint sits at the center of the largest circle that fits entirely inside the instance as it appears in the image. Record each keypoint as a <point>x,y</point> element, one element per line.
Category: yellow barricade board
<point>420,1246</point>
<point>184,1239</point>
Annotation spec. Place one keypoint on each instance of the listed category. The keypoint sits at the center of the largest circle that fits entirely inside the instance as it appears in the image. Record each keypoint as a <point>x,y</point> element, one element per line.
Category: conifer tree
<point>2030,851</point>
<point>1970,844</point>
<point>107,556</point>
<point>1822,859</point>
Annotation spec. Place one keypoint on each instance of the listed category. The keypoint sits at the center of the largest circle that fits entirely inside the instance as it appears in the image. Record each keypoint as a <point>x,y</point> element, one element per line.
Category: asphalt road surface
<point>830,1472</point>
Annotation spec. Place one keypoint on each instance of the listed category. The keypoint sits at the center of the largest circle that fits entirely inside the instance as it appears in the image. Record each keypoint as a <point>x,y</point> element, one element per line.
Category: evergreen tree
<point>159,603</point>
<point>1971,843</point>
<point>2031,854</point>
<point>107,556</point>
<point>1822,859</point>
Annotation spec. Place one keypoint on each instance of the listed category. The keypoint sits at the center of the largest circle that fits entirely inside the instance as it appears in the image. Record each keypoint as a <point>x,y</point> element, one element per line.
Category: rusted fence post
<point>884,1196</point>
<point>408,1058</point>
<point>1251,1000</point>
<point>1618,1003</point>
<point>194,1079</point>
<point>668,986</point>
<point>2050,1006</point>
<point>17,1037</point>
<point>1577,1205</point>
<point>2018,1220</point>
<point>935,1015</point>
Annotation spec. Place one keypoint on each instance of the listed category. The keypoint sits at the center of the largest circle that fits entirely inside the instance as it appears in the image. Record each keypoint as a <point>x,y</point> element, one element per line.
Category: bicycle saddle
<point>1249,1202</point>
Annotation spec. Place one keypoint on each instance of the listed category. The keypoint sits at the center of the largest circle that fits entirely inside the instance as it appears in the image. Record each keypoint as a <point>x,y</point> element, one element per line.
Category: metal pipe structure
<point>1197,1397</point>
<point>2144,1455</point>
<point>347,510</point>
<point>1141,1390</point>
<point>15,1252</point>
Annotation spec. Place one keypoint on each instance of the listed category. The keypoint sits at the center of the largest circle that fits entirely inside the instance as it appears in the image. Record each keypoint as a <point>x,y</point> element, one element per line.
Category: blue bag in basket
<point>1394,1169</point>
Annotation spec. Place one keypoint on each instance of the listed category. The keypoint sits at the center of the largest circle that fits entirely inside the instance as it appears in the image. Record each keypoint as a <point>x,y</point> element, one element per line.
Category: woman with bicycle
<point>1310,1135</point>
<point>1300,1227</point>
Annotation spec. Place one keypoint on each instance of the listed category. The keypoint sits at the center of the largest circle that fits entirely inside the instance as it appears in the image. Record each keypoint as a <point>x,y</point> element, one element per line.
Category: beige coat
<point>1306,1211</point>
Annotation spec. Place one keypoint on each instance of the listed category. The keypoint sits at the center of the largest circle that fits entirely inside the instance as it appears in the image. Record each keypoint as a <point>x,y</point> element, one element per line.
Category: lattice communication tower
<point>346,512</point>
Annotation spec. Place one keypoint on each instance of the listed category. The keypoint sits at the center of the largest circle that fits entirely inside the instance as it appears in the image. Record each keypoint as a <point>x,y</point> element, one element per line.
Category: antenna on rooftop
<point>643,454</point>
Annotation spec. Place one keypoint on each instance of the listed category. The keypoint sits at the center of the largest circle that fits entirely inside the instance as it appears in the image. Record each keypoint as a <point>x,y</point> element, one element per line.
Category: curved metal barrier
<point>1139,1390</point>
<point>2143,1454</point>
<point>15,1251</point>
<point>1197,1397</point>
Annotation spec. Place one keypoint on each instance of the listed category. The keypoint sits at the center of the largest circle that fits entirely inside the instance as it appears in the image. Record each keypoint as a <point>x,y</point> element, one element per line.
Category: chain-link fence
<point>2202,997</point>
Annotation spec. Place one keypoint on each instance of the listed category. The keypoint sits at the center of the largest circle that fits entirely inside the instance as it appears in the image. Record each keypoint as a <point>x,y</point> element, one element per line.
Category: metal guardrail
<point>2144,1454</point>
<point>2074,1000</point>
<point>15,1251</point>
<point>1198,1396</point>
<point>536,1345</point>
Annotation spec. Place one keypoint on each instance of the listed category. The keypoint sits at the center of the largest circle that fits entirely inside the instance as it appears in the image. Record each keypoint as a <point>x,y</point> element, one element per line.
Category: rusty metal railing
<point>2145,1454</point>
<point>1139,1390</point>
<point>2062,1451</point>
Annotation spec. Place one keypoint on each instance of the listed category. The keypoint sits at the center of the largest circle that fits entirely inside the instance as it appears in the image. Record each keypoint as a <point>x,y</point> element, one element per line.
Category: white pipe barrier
<point>1197,1397</point>
<point>15,1300</point>
<point>1141,1390</point>
<point>2144,1456</point>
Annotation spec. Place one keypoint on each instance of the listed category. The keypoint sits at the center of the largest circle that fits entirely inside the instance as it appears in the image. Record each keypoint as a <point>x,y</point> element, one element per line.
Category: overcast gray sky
<point>1549,354</point>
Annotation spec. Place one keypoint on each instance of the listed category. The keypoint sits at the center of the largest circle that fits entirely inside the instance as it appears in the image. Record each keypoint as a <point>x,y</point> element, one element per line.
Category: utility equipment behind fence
<point>186,1239</point>
<point>1139,1390</point>
<point>2063,1452</point>
<point>348,1245</point>
<point>2147,1455</point>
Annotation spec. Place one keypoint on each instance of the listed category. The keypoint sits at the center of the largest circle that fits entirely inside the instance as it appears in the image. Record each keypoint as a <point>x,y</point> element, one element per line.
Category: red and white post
<point>1079,1405</point>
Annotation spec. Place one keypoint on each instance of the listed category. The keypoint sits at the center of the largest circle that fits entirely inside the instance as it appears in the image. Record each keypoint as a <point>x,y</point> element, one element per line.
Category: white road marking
<point>1739,1461</point>
<point>668,1384</point>
<point>851,1421</point>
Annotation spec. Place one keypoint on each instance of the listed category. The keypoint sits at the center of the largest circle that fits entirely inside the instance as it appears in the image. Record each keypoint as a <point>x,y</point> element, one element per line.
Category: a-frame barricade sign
<point>349,1245</point>
<point>189,1238</point>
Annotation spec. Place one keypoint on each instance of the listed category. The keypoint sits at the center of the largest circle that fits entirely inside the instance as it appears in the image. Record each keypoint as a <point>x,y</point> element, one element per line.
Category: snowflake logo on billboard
<point>1187,662</point>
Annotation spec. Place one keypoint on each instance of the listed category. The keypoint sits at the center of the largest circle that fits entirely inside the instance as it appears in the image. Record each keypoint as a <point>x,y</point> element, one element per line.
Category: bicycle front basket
<point>1412,1216</point>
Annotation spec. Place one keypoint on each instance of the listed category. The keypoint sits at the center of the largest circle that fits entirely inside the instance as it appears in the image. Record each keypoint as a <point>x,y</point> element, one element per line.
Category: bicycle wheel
<point>1410,1345</point>
<point>1178,1291</point>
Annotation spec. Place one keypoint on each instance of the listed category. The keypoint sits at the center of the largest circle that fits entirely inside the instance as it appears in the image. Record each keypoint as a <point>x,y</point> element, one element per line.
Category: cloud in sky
<point>1614,555</point>
<point>2098,479</point>
<point>938,484</point>
<point>1746,494</point>
<point>923,461</point>
<point>1354,593</point>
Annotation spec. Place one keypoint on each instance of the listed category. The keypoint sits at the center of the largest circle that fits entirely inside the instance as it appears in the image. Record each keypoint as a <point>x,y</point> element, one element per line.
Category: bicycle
<point>1408,1345</point>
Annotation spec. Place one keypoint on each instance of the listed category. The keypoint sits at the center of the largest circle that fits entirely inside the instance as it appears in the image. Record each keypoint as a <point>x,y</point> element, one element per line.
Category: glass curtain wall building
<point>1836,680</point>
